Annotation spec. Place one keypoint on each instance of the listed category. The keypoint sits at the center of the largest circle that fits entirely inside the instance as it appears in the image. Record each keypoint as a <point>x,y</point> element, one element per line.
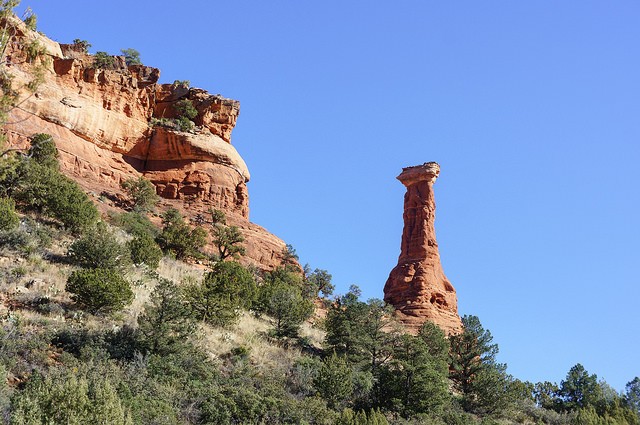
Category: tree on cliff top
<point>131,56</point>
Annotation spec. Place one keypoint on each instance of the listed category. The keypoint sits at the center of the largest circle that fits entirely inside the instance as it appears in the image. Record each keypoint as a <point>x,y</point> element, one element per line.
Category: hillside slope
<point>113,121</point>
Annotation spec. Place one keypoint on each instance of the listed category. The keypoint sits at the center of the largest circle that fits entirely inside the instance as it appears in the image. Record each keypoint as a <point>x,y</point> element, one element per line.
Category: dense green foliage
<point>226,290</point>
<point>145,250</point>
<point>186,112</point>
<point>178,238</point>
<point>482,382</point>
<point>36,184</point>
<point>131,56</point>
<point>84,45</point>
<point>99,248</point>
<point>141,192</point>
<point>281,297</point>
<point>99,290</point>
<point>167,320</point>
<point>43,150</point>
<point>103,60</point>
<point>9,220</point>
<point>135,222</point>
<point>227,240</point>
<point>319,282</point>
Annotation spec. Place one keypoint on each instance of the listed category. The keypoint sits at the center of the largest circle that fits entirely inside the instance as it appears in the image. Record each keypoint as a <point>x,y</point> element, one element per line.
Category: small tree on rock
<point>131,56</point>
<point>141,192</point>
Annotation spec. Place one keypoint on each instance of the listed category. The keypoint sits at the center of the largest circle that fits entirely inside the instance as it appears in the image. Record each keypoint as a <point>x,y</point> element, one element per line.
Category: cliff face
<point>102,122</point>
<point>417,286</point>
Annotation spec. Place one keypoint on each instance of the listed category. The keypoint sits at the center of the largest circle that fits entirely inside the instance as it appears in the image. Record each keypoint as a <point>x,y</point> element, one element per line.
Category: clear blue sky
<point>532,109</point>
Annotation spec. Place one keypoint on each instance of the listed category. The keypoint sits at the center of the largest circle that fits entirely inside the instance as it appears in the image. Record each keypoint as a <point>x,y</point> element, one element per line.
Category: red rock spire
<point>417,286</point>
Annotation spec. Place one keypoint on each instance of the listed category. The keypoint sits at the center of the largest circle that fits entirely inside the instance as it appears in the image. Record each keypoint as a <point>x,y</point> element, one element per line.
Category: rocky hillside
<point>112,122</point>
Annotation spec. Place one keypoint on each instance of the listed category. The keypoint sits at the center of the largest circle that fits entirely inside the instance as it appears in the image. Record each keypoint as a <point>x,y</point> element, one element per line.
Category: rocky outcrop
<point>116,123</point>
<point>417,286</point>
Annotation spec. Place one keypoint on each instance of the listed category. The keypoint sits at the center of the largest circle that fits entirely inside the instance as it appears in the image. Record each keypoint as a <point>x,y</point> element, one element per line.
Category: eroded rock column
<point>417,286</point>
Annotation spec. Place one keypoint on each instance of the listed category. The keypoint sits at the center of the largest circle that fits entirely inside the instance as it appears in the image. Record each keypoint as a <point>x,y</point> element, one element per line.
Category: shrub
<point>145,250</point>
<point>69,204</point>
<point>99,248</point>
<point>83,44</point>
<point>167,321</point>
<point>181,83</point>
<point>131,56</point>
<point>31,20</point>
<point>9,174</point>
<point>228,288</point>
<point>9,220</point>
<point>185,108</point>
<point>334,381</point>
<point>46,190</point>
<point>34,50</point>
<point>186,113</point>
<point>99,290</point>
<point>184,124</point>
<point>227,240</point>
<point>43,150</point>
<point>134,223</point>
<point>284,303</point>
<point>178,238</point>
<point>16,239</point>
<point>103,60</point>
<point>66,398</point>
<point>141,192</point>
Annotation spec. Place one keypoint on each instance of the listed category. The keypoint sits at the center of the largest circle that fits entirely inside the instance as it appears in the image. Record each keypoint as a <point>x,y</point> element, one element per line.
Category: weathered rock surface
<point>101,120</point>
<point>417,286</point>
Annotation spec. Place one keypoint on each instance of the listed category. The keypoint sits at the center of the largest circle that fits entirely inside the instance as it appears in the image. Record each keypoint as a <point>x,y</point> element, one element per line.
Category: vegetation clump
<point>145,250</point>
<point>226,290</point>
<point>131,56</point>
<point>83,45</point>
<point>99,248</point>
<point>99,290</point>
<point>36,184</point>
<point>186,112</point>
<point>9,220</point>
<point>227,239</point>
<point>103,60</point>
<point>141,193</point>
<point>179,239</point>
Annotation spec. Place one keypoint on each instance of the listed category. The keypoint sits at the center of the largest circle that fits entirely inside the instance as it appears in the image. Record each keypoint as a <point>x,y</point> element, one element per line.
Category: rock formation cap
<point>429,171</point>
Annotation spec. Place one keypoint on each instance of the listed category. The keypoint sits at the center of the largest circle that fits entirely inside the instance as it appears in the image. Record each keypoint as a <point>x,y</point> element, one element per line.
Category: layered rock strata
<point>117,123</point>
<point>417,286</point>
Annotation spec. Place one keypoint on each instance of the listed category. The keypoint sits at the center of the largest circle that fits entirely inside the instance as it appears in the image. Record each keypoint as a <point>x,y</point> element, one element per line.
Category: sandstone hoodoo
<point>112,121</point>
<point>417,286</point>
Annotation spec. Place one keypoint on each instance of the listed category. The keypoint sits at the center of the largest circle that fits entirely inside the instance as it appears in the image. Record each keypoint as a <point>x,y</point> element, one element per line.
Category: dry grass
<point>24,279</point>
<point>250,332</point>
<point>180,272</point>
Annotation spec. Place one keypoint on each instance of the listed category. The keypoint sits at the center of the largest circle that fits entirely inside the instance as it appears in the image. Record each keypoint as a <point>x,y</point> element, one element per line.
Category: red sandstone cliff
<point>417,286</point>
<point>101,122</point>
